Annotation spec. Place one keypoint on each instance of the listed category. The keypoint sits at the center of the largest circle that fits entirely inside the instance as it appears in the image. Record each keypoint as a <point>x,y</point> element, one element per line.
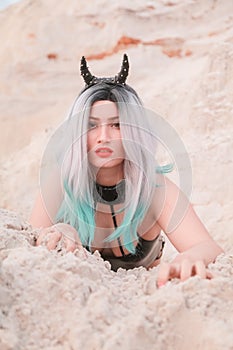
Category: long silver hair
<point>139,144</point>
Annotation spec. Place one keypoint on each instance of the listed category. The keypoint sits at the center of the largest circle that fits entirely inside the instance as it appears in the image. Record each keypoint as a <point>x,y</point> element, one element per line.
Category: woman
<point>107,193</point>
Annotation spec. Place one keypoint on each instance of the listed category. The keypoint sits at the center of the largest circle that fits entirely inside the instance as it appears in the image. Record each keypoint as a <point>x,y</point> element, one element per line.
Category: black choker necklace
<point>110,194</point>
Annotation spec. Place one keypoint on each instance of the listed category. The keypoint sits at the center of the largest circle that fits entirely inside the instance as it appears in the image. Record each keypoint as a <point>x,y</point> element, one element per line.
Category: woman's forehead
<point>103,109</point>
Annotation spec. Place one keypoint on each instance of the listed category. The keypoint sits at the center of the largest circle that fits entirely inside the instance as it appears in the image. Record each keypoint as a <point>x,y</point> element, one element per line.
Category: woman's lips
<point>104,152</point>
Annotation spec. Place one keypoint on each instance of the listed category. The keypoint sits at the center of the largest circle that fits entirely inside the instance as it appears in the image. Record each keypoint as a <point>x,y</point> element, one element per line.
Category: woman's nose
<point>103,134</point>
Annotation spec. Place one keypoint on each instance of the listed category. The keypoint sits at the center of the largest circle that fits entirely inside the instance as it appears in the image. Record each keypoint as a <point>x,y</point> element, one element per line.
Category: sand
<point>181,64</point>
<point>52,300</point>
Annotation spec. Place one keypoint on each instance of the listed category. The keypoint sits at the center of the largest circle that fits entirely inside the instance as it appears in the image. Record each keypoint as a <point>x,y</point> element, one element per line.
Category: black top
<point>145,251</point>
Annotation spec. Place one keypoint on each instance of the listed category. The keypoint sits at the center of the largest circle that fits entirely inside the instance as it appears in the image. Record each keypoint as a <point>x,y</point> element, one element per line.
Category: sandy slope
<point>181,64</point>
<point>71,301</point>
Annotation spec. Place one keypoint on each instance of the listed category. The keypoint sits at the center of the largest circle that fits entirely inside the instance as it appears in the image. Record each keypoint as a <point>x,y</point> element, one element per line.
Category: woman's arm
<point>50,233</point>
<point>40,216</point>
<point>43,216</point>
<point>48,201</point>
<point>186,232</point>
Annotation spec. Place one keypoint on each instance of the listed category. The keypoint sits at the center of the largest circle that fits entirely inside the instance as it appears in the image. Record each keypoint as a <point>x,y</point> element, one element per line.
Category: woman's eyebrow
<point>111,118</point>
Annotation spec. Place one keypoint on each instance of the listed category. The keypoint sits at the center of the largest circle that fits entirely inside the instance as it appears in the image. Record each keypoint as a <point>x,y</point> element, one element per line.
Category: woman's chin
<point>104,163</point>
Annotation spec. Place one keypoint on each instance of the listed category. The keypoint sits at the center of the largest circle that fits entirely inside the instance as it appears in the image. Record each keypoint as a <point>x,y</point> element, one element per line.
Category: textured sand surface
<point>53,300</point>
<point>181,55</point>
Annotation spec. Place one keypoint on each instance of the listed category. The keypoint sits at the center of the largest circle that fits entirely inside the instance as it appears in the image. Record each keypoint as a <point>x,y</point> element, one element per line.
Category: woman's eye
<point>91,125</point>
<point>115,125</point>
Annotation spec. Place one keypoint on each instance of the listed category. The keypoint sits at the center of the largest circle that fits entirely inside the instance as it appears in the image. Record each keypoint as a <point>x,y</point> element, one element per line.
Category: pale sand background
<point>181,56</point>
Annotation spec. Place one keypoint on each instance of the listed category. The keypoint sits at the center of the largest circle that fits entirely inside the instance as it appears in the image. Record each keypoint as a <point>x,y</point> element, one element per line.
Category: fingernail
<point>160,284</point>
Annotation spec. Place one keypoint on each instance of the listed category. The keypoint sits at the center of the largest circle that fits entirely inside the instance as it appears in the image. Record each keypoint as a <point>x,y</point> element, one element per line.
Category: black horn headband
<point>90,79</point>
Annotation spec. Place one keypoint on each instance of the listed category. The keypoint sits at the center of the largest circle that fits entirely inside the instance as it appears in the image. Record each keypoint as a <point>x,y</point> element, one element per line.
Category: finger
<point>53,239</point>
<point>41,236</point>
<point>69,232</point>
<point>186,270</point>
<point>43,233</point>
<point>200,269</point>
<point>175,270</point>
<point>209,275</point>
<point>163,274</point>
<point>166,271</point>
<point>70,245</point>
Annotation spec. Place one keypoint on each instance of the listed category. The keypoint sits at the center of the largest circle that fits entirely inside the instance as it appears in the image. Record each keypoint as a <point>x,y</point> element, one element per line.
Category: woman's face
<point>104,143</point>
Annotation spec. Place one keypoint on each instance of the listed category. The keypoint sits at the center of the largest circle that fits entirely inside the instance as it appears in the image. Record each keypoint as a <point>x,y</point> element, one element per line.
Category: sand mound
<point>181,64</point>
<point>53,300</point>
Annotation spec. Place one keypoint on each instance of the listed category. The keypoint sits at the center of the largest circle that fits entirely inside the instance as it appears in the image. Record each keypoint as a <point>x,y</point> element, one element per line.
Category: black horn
<point>86,74</point>
<point>122,75</point>
<point>90,79</point>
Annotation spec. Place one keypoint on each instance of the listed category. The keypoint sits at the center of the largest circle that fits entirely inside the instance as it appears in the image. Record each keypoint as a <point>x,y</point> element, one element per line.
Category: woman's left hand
<point>181,269</point>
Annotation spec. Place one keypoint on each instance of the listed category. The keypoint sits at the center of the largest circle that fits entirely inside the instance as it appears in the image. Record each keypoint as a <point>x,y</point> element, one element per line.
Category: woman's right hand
<point>59,235</point>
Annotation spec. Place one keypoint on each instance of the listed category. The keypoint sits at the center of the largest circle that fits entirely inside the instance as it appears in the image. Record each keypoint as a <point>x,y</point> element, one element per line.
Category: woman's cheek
<point>89,142</point>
